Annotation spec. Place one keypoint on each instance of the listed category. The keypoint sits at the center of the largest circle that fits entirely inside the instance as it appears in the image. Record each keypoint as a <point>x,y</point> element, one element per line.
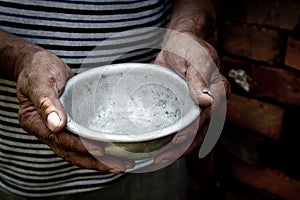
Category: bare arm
<point>41,77</point>
<point>197,17</point>
<point>13,49</point>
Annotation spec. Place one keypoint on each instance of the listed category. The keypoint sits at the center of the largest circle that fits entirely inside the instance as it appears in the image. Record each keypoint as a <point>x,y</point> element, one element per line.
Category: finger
<point>198,140</point>
<point>198,87</point>
<point>88,161</point>
<point>116,163</point>
<point>98,161</point>
<point>49,108</point>
<point>173,153</point>
<point>192,130</point>
<point>190,73</point>
<point>220,90</point>
<point>94,148</point>
<point>159,60</point>
<point>187,140</point>
<point>196,66</point>
<point>29,118</point>
<point>203,64</point>
<point>64,142</point>
<point>73,142</point>
<point>179,149</point>
<point>188,132</point>
<point>172,61</point>
<point>31,122</point>
<point>46,84</point>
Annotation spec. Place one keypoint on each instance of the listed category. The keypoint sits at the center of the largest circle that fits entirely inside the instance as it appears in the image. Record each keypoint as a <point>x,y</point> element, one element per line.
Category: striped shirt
<point>78,31</point>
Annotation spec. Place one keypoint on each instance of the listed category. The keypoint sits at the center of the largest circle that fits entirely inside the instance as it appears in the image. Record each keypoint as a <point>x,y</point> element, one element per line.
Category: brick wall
<point>259,45</point>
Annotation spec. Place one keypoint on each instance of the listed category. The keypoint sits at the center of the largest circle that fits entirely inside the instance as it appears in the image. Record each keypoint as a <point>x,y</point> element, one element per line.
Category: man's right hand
<point>39,84</point>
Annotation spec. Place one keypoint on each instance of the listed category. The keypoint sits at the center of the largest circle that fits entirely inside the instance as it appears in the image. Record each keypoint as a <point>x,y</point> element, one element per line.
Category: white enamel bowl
<point>133,108</point>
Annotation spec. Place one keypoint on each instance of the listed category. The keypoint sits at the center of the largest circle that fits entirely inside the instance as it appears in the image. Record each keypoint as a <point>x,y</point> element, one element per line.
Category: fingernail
<point>53,121</point>
<point>208,93</point>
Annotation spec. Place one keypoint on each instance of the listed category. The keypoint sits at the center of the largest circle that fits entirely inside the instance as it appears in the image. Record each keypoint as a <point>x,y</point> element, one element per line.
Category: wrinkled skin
<point>39,85</point>
<point>200,67</point>
<point>42,80</point>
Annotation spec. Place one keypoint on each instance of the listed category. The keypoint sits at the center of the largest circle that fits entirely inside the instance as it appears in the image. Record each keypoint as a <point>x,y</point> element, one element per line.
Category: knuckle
<point>25,120</point>
<point>54,138</point>
<point>44,103</point>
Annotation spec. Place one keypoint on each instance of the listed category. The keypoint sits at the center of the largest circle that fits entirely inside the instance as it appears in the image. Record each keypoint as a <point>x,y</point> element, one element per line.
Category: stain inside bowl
<point>149,108</point>
<point>128,103</point>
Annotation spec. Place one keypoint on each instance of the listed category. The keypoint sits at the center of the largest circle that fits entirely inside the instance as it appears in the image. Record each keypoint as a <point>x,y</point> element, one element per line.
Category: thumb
<point>51,111</point>
<point>48,107</point>
<point>48,104</point>
<point>55,121</point>
<point>44,95</point>
<point>41,82</point>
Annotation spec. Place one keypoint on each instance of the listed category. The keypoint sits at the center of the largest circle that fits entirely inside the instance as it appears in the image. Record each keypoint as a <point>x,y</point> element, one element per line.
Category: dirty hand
<point>197,62</point>
<point>40,82</point>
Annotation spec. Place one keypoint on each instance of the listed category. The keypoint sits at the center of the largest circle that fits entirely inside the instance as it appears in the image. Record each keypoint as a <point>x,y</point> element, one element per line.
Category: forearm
<point>197,17</point>
<point>13,49</point>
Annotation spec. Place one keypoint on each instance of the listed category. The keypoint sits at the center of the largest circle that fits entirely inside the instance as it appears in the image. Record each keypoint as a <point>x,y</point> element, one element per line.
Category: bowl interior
<point>129,102</point>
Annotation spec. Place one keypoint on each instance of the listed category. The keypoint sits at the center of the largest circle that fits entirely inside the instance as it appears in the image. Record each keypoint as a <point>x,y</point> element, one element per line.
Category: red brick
<point>256,115</point>
<point>292,56</point>
<point>277,84</point>
<point>282,14</point>
<point>252,42</point>
<point>267,179</point>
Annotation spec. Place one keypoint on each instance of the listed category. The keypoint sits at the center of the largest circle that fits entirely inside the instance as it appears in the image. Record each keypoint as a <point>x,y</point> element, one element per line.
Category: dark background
<point>256,156</point>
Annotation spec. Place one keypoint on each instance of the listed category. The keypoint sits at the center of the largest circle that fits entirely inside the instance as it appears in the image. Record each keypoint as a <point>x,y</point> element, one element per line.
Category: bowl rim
<point>87,133</point>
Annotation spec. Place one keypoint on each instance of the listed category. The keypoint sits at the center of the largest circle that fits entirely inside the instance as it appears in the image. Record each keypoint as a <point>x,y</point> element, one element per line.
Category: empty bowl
<point>133,109</point>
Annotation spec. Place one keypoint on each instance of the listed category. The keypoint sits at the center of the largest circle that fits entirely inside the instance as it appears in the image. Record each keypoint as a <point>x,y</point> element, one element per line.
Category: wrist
<point>24,58</point>
<point>190,25</point>
<point>13,51</point>
<point>195,17</point>
<point>15,56</point>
